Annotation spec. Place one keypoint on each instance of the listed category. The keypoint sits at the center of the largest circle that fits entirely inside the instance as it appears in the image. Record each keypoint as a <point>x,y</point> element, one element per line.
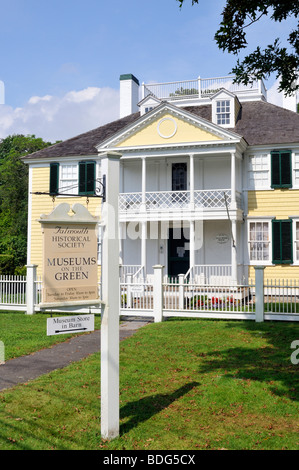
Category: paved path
<point>25,368</point>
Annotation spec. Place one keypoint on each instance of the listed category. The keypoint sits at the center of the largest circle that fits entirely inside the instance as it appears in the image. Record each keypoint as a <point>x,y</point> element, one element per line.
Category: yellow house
<point>209,181</point>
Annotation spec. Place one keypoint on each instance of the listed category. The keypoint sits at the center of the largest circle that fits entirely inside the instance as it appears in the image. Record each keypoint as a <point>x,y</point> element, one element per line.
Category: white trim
<point>146,119</point>
<point>172,133</point>
<point>295,221</point>
<point>267,220</point>
<point>29,217</point>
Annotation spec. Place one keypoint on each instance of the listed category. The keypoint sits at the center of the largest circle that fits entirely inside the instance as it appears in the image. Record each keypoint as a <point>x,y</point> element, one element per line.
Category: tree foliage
<point>14,199</point>
<point>237,16</point>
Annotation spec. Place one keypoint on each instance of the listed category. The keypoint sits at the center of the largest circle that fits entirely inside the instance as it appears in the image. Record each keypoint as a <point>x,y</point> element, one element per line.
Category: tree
<point>231,37</point>
<point>14,199</point>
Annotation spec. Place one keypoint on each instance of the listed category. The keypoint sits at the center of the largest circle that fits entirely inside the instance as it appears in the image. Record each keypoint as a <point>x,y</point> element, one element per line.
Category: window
<point>281,169</point>
<point>69,179</point>
<point>296,170</point>
<point>259,241</point>
<point>87,178</point>
<point>179,176</point>
<point>282,241</point>
<point>223,112</point>
<point>258,171</point>
<point>72,178</point>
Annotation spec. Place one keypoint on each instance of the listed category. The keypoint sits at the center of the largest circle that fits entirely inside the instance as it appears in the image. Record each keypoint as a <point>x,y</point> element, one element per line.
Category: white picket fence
<point>13,292</point>
<point>278,300</point>
<point>161,298</point>
<point>188,300</point>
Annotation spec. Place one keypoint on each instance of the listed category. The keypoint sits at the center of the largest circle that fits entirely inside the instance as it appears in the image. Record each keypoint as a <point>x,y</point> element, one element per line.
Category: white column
<point>191,181</point>
<point>111,302</point>
<point>143,183</point>
<point>192,248</point>
<point>143,246</point>
<point>259,293</point>
<point>31,288</point>
<point>233,180</point>
<point>234,252</point>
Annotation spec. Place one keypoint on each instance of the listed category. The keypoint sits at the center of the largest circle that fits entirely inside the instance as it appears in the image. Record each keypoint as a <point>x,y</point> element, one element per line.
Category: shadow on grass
<point>269,363</point>
<point>143,409</point>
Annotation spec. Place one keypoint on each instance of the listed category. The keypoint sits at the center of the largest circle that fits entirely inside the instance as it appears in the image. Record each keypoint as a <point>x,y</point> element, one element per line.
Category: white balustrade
<point>172,200</point>
<point>201,87</point>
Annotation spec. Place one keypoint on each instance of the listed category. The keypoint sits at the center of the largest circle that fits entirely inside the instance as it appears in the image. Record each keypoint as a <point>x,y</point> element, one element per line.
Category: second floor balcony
<point>171,202</point>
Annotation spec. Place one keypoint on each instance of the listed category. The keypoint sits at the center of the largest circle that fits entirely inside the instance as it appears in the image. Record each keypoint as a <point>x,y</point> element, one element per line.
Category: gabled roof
<point>259,123</point>
<point>198,123</point>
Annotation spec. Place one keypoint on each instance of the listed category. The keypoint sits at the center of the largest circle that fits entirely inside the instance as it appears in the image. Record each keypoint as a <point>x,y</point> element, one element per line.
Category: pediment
<point>168,125</point>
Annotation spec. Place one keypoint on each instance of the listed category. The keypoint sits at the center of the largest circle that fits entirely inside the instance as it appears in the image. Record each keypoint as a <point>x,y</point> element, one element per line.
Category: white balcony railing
<point>201,88</point>
<point>174,200</point>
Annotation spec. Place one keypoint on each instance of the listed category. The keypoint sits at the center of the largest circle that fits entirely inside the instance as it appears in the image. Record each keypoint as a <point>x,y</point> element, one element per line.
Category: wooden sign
<point>70,266</point>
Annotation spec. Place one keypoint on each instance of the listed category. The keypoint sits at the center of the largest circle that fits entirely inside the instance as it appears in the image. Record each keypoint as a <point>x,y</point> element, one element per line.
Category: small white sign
<point>71,324</point>
<point>137,288</point>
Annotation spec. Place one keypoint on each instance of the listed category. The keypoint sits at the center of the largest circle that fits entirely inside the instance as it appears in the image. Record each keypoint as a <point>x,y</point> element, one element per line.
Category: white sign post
<point>110,301</point>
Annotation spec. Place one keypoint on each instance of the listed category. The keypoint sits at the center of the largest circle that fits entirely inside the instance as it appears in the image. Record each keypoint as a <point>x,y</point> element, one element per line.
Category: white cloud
<point>273,95</point>
<point>59,118</point>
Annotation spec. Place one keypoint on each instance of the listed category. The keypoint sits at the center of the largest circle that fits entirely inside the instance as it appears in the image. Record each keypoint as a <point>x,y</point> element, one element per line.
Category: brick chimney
<point>129,94</point>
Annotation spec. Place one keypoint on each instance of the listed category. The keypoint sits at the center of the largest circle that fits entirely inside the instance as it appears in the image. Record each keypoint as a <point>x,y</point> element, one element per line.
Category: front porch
<point>206,252</point>
<point>208,275</point>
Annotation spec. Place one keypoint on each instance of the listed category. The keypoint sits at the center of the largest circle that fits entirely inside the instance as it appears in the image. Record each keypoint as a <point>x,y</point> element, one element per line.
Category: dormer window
<point>148,104</point>
<point>225,108</point>
<point>148,109</point>
<point>223,111</point>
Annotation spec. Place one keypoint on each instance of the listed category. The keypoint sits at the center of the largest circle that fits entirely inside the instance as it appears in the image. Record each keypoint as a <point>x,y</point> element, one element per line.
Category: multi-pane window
<point>259,241</point>
<point>281,169</point>
<point>258,171</point>
<point>223,112</point>
<point>69,179</point>
<point>296,170</point>
<point>73,178</point>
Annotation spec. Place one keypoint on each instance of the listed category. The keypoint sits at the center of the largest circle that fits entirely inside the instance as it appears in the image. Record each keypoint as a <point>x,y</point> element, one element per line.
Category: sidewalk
<point>25,368</point>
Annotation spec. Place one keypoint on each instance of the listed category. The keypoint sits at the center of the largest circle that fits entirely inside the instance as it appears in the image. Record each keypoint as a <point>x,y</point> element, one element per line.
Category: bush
<point>6,264</point>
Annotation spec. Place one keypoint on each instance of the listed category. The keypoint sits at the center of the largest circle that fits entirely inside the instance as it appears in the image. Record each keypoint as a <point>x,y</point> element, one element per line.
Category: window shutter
<point>276,240</point>
<point>285,165</point>
<point>82,177</point>
<point>281,169</point>
<point>54,178</point>
<point>90,177</point>
<point>275,169</point>
<point>286,244</point>
<point>282,241</point>
<point>86,177</point>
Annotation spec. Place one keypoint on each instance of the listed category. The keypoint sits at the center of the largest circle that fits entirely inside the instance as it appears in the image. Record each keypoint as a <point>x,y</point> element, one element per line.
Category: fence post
<point>31,288</point>
<point>181,291</point>
<point>129,281</point>
<point>158,292</point>
<point>259,293</point>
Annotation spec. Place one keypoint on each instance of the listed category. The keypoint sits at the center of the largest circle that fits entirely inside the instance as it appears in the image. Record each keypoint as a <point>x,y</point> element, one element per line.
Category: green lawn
<point>184,384</point>
<point>23,334</point>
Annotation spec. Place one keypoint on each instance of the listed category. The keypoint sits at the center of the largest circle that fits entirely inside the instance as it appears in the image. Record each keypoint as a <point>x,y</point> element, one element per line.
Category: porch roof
<point>259,122</point>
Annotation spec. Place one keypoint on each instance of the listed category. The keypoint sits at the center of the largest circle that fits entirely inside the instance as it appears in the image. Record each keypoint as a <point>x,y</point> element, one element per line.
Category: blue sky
<point>60,56</point>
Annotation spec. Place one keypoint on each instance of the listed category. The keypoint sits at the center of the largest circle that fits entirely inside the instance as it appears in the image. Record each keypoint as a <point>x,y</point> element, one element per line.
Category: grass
<point>184,384</point>
<point>23,334</point>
